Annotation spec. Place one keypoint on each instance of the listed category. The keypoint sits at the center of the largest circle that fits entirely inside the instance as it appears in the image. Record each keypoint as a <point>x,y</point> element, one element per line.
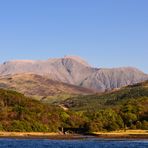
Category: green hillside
<point>126,108</point>
<point>19,113</point>
<point>122,109</point>
<point>109,99</point>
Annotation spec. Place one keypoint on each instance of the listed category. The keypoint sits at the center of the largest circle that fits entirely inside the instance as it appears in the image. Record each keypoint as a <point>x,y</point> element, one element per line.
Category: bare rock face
<point>74,70</point>
<point>109,79</point>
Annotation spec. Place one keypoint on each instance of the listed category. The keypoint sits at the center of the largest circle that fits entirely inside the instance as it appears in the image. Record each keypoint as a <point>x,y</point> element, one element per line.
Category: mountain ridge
<point>76,71</point>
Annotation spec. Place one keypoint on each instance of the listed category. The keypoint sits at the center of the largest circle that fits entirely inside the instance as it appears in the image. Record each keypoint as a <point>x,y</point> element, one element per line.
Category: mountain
<point>40,87</point>
<point>76,71</point>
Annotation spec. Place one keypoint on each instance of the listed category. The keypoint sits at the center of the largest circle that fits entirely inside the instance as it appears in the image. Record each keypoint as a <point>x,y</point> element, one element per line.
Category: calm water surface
<point>88,143</point>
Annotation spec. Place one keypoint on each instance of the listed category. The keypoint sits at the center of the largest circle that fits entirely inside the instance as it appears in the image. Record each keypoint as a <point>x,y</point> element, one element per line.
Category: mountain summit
<point>78,59</point>
<point>76,71</point>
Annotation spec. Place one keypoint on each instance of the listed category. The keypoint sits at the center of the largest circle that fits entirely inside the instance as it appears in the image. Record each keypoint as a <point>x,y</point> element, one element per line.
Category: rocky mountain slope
<point>108,79</point>
<point>74,70</point>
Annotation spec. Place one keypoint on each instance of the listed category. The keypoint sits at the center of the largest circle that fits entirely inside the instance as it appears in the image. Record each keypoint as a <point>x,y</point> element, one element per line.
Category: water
<point>88,143</point>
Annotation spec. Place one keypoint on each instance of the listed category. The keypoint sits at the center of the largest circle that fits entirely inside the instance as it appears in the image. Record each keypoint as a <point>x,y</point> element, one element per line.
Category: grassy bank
<point>138,134</point>
<point>134,134</point>
<point>40,135</point>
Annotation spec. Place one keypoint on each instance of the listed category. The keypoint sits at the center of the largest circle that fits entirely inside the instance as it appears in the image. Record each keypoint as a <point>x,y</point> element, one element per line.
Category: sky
<point>106,33</point>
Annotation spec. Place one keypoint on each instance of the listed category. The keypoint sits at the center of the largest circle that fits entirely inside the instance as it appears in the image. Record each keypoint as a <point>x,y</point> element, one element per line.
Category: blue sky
<point>107,33</point>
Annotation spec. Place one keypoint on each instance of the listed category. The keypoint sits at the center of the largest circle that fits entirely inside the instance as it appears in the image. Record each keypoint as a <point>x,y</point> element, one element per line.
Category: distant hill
<point>40,87</point>
<point>74,70</point>
<point>109,99</point>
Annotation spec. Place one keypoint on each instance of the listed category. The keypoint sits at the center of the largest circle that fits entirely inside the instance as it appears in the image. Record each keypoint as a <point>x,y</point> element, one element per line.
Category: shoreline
<point>129,134</point>
<point>133,135</point>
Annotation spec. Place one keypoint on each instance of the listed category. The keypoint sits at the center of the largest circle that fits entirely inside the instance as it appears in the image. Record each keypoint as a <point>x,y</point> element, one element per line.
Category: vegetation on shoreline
<point>123,109</point>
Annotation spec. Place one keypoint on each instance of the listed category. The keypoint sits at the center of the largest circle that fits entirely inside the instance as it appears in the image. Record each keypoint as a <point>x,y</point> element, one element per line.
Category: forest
<point>122,109</point>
